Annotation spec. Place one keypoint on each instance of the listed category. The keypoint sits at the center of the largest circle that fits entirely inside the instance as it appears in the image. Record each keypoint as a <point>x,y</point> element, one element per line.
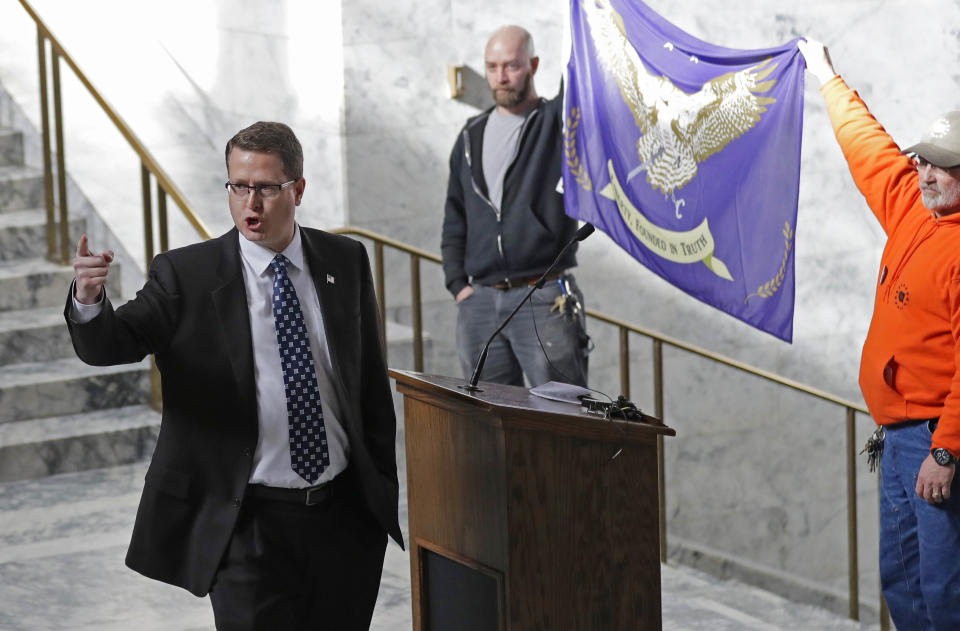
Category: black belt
<point>523,281</point>
<point>310,496</point>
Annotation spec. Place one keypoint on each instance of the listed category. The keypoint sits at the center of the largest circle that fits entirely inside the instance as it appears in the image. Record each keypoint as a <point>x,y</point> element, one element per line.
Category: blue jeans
<point>516,351</point>
<point>919,542</point>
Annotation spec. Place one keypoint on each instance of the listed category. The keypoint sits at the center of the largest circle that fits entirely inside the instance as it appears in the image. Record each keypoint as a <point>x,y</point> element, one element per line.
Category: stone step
<point>64,444</point>
<point>33,335</point>
<point>36,283</point>
<point>63,539</point>
<point>21,188</point>
<point>68,386</point>
<point>33,283</point>
<point>23,234</point>
<point>11,147</point>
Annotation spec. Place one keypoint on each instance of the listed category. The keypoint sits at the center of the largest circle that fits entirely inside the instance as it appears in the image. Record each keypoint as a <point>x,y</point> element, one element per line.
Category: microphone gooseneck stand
<point>585,231</point>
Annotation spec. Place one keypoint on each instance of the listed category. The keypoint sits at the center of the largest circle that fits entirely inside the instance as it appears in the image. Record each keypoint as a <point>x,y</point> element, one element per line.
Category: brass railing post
<point>156,391</point>
<point>378,279</point>
<point>61,160</point>
<point>147,215</point>
<point>162,218</point>
<point>47,158</point>
<point>661,469</point>
<point>852,560</point>
<point>417,313</point>
<point>624,362</point>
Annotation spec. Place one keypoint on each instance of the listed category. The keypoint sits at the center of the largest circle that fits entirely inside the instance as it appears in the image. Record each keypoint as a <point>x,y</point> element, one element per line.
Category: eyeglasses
<point>265,191</point>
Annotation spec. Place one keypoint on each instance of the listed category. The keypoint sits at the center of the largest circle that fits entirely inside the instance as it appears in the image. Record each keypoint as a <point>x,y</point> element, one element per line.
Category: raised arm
<point>885,177</point>
<point>818,59</point>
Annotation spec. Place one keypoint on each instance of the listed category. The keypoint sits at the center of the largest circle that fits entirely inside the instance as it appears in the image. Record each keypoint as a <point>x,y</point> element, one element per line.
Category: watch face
<point>943,457</point>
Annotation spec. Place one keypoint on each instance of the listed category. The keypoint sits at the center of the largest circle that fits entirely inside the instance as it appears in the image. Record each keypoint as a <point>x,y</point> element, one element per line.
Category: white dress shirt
<point>271,460</point>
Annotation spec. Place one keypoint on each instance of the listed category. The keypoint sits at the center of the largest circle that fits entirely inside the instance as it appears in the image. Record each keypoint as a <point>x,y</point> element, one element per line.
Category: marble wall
<point>756,475</point>
<point>250,60</point>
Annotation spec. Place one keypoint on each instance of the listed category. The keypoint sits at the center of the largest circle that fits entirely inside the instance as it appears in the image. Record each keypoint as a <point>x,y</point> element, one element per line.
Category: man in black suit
<point>274,482</point>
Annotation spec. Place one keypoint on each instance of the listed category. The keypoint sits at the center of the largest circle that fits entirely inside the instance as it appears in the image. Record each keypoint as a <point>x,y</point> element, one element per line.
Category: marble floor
<point>63,538</point>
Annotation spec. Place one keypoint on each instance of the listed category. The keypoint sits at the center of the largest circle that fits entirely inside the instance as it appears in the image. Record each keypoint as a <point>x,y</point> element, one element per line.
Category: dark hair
<point>266,137</point>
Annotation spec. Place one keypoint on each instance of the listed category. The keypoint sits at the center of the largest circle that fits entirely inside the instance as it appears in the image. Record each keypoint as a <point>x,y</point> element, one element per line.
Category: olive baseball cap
<point>940,145</point>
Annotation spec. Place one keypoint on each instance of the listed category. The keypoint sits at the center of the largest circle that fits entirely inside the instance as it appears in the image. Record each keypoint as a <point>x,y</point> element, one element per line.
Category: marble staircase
<point>57,414</point>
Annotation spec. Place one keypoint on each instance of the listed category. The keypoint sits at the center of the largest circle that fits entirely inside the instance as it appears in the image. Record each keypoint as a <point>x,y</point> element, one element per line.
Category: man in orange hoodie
<point>909,368</point>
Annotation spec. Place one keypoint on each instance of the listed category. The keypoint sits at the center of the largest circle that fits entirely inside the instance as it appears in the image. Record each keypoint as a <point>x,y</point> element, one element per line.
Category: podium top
<point>516,407</point>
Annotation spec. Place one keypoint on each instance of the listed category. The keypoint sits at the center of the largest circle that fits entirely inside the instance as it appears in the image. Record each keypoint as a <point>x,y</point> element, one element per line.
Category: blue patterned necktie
<point>309,455</point>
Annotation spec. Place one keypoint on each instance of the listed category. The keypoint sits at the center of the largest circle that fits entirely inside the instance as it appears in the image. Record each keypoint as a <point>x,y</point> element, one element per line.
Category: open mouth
<point>253,222</point>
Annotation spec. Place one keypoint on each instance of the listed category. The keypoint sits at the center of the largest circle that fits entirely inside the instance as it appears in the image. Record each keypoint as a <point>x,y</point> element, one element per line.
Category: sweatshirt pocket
<point>880,383</point>
<point>534,218</point>
<point>526,235</point>
<point>904,393</point>
<point>890,370</point>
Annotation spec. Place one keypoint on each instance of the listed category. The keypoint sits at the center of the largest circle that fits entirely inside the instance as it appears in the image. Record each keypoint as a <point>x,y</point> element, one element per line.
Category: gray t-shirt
<point>501,138</point>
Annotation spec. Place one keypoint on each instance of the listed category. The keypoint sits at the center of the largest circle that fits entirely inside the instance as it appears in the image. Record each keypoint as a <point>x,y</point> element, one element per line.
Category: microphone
<point>585,231</point>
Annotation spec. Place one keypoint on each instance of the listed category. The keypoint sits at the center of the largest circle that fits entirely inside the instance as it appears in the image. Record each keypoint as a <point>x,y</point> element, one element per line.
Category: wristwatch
<point>943,457</point>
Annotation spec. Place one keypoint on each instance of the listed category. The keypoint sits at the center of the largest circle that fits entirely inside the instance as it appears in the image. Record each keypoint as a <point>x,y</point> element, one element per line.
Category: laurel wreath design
<point>771,287</point>
<point>570,150</point>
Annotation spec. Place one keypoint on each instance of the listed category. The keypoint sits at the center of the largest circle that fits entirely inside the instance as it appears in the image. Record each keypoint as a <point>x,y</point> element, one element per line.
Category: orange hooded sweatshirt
<point>909,367</point>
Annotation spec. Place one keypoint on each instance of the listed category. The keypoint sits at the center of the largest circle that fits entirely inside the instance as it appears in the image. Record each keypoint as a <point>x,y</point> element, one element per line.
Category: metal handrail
<point>726,361</point>
<point>633,328</point>
<point>149,165</point>
<point>659,340</point>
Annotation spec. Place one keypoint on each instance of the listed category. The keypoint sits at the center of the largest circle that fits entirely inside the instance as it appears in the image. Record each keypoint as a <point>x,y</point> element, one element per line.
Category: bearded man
<point>504,224</point>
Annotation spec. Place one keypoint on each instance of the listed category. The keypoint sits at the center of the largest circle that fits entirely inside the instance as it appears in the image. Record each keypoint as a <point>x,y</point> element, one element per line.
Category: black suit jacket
<point>192,315</point>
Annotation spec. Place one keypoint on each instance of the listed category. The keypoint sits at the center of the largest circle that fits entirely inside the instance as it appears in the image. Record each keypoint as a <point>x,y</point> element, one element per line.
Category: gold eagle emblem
<point>678,130</point>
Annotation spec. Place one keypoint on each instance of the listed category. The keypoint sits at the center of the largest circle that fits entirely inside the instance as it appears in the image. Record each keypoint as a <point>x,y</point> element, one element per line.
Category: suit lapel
<point>326,275</point>
<point>230,304</point>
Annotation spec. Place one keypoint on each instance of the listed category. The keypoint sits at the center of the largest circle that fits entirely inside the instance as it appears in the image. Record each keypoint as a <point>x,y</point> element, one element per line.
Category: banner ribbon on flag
<point>690,246</point>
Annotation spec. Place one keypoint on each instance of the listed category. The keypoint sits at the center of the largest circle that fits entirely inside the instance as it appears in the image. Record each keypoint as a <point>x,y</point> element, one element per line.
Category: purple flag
<point>687,155</point>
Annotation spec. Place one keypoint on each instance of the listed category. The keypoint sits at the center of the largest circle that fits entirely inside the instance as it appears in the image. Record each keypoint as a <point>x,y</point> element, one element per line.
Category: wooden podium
<point>528,514</point>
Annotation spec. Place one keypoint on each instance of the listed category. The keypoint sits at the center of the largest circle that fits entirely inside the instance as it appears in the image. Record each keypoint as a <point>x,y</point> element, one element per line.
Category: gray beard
<point>941,202</point>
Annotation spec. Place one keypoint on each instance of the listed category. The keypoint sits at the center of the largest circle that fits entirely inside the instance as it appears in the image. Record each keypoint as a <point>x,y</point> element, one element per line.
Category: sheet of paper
<point>558,391</point>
